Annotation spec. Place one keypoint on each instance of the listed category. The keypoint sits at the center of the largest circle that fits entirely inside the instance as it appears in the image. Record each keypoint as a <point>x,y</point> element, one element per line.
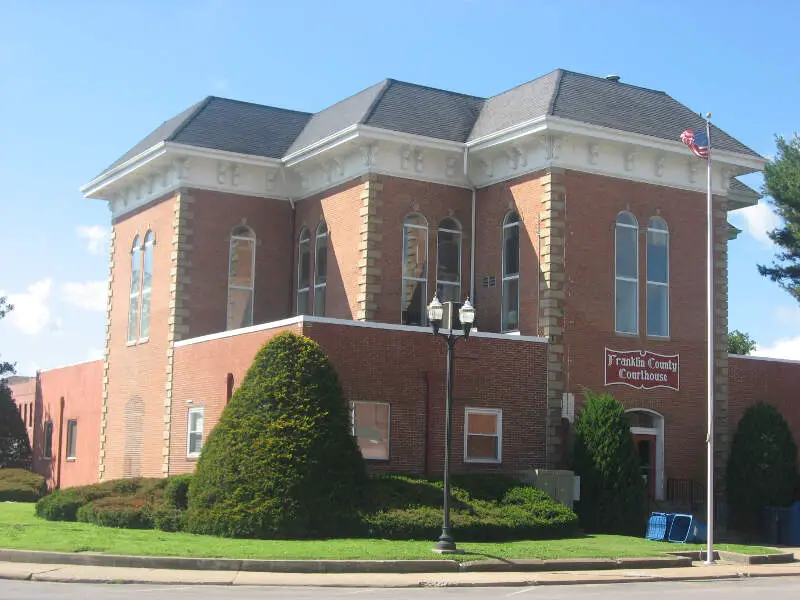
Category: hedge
<point>21,485</point>
<point>128,512</point>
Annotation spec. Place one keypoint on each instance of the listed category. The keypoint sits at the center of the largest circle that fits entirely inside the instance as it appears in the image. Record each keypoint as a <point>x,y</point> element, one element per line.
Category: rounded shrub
<point>127,512</point>
<point>61,505</point>
<point>605,457</point>
<point>762,466</point>
<point>21,485</point>
<point>281,462</point>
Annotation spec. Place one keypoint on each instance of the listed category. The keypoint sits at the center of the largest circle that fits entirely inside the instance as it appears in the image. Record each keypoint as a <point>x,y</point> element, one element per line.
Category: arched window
<point>626,251</point>
<point>147,284</point>
<point>415,270</point>
<point>509,317</point>
<point>448,261</point>
<point>657,277</point>
<point>133,301</point>
<point>241,277</point>
<point>320,268</point>
<point>303,271</point>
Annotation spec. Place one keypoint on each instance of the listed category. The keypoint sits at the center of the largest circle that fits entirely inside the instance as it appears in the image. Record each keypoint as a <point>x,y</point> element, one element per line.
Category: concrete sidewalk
<point>94,574</point>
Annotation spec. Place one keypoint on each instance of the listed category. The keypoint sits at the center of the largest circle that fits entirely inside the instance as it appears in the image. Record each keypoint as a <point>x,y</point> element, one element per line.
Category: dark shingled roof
<point>246,128</point>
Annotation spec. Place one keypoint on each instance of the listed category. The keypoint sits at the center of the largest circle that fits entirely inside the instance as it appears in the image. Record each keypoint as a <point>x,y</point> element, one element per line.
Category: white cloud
<point>95,353</point>
<point>89,295</point>
<point>788,315</point>
<point>96,237</point>
<point>758,220</point>
<point>31,313</point>
<point>788,348</point>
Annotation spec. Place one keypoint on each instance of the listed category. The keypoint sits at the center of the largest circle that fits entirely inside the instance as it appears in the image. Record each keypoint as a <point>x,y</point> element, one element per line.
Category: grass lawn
<point>21,529</point>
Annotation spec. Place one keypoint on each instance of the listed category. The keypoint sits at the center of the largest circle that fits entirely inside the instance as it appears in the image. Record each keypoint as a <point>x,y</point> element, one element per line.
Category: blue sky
<point>82,81</point>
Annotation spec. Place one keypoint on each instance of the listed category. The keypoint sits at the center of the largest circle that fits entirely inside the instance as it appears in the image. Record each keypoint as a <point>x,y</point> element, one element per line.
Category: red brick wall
<point>592,204</point>
<point>23,392</point>
<point>752,380</point>
<point>137,373</point>
<point>214,216</point>
<point>404,368</point>
<point>339,207</point>
<point>435,202</point>
<point>523,195</point>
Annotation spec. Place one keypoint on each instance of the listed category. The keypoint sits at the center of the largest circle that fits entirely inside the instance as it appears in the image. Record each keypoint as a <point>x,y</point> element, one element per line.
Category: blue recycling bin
<point>658,525</point>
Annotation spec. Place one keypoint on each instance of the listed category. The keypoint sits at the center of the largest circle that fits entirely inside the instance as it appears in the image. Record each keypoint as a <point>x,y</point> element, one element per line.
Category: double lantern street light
<point>443,316</point>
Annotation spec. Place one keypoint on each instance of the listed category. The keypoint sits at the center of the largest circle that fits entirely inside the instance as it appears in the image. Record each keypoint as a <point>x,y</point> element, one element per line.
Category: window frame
<point>498,412</point>
<point>251,238</point>
<point>320,286</point>
<point>134,292</point>
<point>72,440</point>
<point>307,289</point>
<point>194,410</point>
<point>47,451</point>
<point>352,411</point>
<point>665,284</point>
<point>459,233</point>
<point>422,280</point>
<point>148,244</point>
<point>618,278</point>
<point>507,224</point>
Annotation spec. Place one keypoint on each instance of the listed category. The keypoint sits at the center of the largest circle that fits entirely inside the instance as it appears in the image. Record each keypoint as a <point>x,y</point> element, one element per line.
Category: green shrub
<point>281,462</point>
<point>605,457</point>
<point>176,491</point>
<point>15,447</point>
<point>128,512</point>
<point>21,485</point>
<point>405,507</point>
<point>762,466</point>
<point>61,505</point>
<point>168,519</point>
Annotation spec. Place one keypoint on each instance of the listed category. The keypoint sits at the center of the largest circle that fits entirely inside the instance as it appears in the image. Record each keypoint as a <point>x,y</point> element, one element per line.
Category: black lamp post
<point>444,314</point>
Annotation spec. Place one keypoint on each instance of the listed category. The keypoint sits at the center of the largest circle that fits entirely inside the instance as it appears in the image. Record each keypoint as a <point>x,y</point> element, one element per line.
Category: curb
<point>340,566</point>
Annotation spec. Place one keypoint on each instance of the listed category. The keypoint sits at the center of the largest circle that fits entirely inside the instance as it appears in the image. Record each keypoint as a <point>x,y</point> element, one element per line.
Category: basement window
<point>370,423</point>
<point>483,435</point>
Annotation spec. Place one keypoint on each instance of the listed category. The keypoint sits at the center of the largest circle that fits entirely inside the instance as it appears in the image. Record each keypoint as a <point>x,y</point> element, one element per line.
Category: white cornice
<point>236,157</point>
<point>98,183</point>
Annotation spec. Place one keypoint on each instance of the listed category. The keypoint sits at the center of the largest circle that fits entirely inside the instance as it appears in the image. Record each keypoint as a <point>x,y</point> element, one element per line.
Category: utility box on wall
<point>562,486</point>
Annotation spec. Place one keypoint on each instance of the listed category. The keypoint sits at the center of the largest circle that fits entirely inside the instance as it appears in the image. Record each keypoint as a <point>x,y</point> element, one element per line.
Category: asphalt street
<point>773,588</point>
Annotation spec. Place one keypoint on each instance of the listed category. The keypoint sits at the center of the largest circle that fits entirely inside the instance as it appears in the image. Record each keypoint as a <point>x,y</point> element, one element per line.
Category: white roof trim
<point>112,175</point>
<point>300,319</point>
<point>245,159</point>
<point>766,359</point>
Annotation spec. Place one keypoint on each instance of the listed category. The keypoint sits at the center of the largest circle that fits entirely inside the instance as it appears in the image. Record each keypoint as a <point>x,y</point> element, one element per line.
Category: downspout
<point>473,234</point>
<point>291,241</point>
<point>60,442</point>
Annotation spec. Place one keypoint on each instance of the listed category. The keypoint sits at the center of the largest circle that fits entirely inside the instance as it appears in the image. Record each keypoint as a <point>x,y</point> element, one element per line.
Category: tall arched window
<point>448,261</point>
<point>133,301</point>
<point>147,284</point>
<point>241,277</point>
<point>657,277</point>
<point>509,314</point>
<point>303,271</point>
<point>320,268</point>
<point>415,270</point>
<point>626,261</point>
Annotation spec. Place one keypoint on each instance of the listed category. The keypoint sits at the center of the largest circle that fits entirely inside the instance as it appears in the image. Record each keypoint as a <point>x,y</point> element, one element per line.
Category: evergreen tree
<point>605,458</point>
<point>15,448</point>
<point>282,461</point>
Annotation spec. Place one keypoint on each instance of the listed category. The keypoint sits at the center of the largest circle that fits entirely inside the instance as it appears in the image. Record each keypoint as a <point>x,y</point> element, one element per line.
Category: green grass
<point>21,529</point>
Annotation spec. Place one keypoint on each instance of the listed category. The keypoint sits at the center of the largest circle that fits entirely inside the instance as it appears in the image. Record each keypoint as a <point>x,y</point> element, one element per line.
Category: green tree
<point>15,448</point>
<point>740,343</point>
<point>762,465</point>
<point>281,462</point>
<point>6,368</point>
<point>604,455</point>
<point>782,183</point>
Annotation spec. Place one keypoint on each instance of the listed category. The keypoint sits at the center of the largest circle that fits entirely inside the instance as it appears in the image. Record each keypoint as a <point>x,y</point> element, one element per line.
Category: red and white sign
<point>642,369</point>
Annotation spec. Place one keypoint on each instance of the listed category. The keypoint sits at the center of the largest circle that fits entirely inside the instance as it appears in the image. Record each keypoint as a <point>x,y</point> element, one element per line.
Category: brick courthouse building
<point>566,208</point>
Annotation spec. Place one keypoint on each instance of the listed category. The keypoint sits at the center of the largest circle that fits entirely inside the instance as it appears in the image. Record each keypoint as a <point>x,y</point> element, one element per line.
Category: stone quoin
<point>566,209</point>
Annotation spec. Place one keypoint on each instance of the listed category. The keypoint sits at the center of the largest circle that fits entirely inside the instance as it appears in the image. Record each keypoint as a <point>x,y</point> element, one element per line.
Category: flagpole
<point>711,353</point>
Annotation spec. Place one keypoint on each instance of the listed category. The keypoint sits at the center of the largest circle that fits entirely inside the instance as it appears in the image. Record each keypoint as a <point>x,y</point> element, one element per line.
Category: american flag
<point>697,140</point>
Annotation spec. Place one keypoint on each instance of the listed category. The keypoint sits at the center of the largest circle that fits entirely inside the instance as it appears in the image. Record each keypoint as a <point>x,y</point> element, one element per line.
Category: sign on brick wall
<point>642,369</point>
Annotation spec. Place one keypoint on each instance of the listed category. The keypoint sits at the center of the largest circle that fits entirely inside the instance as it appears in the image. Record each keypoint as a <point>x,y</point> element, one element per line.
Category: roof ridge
<point>291,110</point>
<point>385,84</point>
<point>557,90</point>
<point>599,78</point>
<point>430,87</point>
<point>189,118</point>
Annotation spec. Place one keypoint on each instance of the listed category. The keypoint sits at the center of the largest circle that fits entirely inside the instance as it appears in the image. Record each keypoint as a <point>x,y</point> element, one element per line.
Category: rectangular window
<point>72,439</point>
<point>483,435</point>
<point>194,438</point>
<point>48,439</point>
<point>370,422</point>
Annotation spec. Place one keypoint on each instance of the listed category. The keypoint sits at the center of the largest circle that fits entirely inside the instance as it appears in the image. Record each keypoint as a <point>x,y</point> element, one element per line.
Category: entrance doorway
<point>647,430</point>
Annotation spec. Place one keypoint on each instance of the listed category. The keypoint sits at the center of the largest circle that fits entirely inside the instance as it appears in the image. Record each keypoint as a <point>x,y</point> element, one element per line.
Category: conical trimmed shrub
<point>281,462</point>
<point>762,466</point>
<point>15,448</point>
<point>604,455</point>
